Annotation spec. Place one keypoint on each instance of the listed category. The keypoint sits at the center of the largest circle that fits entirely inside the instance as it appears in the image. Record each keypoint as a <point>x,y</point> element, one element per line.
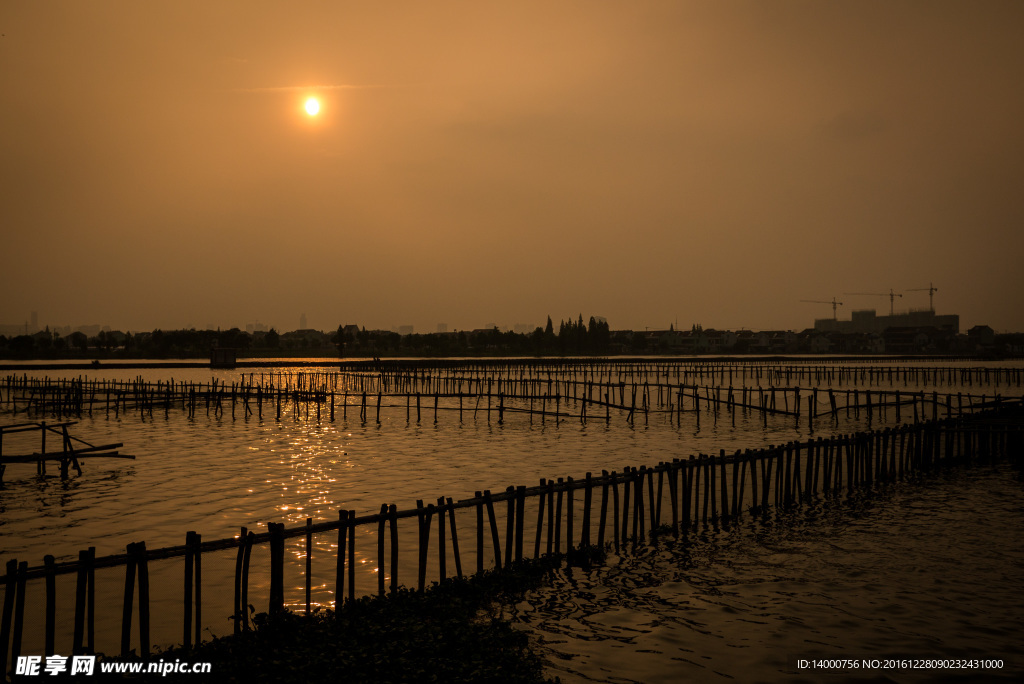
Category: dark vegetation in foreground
<point>452,633</point>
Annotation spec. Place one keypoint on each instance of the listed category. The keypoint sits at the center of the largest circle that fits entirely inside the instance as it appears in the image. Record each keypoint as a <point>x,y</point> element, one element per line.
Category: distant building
<point>867,321</point>
<point>981,336</point>
<point>304,339</point>
<point>302,322</point>
<point>405,330</point>
<point>717,340</point>
<point>913,340</point>
<point>819,344</point>
<point>442,327</point>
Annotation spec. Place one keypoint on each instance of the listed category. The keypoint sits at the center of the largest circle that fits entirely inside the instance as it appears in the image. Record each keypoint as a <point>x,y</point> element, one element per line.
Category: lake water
<point>216,473</point>
<point>928,569</point>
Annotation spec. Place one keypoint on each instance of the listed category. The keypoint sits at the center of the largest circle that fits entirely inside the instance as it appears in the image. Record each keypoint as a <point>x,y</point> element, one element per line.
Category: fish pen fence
<point>78,396</point>
<point>535,390</point>
<point>380,551</point>
<point>756,371</point>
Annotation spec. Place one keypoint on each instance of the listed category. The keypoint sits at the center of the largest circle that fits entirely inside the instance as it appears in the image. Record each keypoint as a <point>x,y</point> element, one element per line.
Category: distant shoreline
<point>320,361</point>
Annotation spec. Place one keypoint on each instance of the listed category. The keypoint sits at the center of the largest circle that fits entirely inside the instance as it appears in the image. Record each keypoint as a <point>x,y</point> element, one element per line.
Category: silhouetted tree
<point>22,344</point>
<point>338,338</point>
<point>599,335</point>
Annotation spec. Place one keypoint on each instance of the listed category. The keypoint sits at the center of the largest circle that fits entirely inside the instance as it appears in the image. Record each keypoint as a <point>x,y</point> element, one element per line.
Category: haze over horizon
<point>654,163</point>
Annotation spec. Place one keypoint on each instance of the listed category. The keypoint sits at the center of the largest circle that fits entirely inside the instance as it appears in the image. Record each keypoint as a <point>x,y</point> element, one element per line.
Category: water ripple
<point>916,573</point>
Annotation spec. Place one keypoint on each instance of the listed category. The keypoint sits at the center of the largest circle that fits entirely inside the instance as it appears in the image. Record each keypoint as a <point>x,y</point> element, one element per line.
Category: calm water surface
<point>919,570</point>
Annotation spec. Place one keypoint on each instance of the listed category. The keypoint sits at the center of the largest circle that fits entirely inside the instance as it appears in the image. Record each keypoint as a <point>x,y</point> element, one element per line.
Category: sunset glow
<point>608,139</point>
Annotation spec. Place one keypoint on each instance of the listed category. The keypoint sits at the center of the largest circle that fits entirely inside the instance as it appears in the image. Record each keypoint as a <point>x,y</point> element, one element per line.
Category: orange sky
<point>474,163</point>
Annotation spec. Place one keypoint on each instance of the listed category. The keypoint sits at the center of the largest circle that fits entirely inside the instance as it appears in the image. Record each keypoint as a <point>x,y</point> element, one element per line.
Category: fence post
<point>455,538</point>
<point>510,525</point>
<point>143,571</point>
<point>638,476</point>
<point>550,496</point>
<point>239,558</point>
<point>393,519</point>
<point>540,517</point>
<point>421,566</point>
<point>495,539</point>
<point>744,462</point>
<point>186,641</point>
<point>673,493</point>
<point>442,552</point>
<point>787,489</point>
<point>557,518</point>
<point>129,594</point>
<point>276,606</point>
<point>588,494</point>
<point>569,514</point>
<point>656,506</point>
<point>604,509</point>
<point>615,511</point>
<point>80,604</point>
<point>479,532</point>
<point>766,475</point>
<point>351,555</point>
<point>709,488</point>
<point>8,613</point>
<point>380,548</point>
<point>309,557</point>
<point>51,604</point>
<point>627,490</point>
<point>197,575</point>
<point>734,508</point>
<point>339,570</point>
<point>520,510</point>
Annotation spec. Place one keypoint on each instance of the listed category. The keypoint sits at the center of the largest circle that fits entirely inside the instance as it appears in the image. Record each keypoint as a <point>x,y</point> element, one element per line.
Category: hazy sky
<point>478,162</point>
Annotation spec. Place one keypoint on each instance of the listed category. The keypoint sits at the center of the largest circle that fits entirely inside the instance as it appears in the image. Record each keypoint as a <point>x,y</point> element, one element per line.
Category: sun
<point>312,106</point>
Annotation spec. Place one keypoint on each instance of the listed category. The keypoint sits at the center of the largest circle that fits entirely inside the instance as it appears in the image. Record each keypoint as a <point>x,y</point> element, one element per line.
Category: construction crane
<point>834,304</point>
<point>892,297</point>
<point>931,290</point>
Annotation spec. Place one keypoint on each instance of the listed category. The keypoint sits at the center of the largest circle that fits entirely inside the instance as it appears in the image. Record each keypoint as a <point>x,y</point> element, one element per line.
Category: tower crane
<point>892,297</point>
<point>834,304</point>
<point>931,289</point>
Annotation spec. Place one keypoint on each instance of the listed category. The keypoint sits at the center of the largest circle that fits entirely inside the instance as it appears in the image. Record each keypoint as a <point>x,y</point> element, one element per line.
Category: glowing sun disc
<point>312,106</point>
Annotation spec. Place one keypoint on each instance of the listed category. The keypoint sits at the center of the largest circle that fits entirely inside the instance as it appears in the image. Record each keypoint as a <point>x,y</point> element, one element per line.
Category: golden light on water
<point>312,106</point>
